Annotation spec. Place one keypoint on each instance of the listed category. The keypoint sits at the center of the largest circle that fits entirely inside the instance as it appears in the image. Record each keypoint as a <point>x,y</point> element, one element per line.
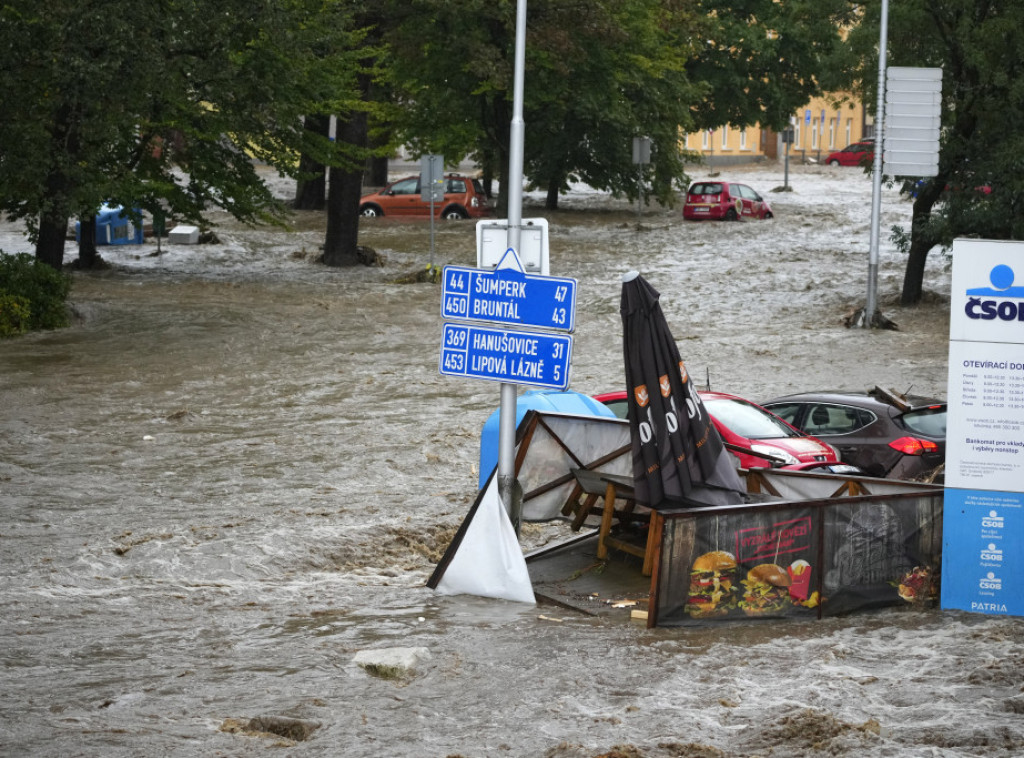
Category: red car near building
<point>724,201</point>
<point>857,154</point>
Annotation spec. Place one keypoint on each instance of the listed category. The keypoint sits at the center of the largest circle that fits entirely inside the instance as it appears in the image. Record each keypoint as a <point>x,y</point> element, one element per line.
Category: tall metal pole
<point>639,193</point>
<point>785,181</point>
<point>876,191</point>
<point>431,231</point>
<point>508,488</point>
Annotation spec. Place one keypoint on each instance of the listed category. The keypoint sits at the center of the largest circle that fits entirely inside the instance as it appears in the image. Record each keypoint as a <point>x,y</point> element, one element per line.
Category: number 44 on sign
<point>508,295</point>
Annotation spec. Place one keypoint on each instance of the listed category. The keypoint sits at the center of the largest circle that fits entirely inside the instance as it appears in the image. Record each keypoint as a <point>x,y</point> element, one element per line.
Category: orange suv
<point>463,198</point>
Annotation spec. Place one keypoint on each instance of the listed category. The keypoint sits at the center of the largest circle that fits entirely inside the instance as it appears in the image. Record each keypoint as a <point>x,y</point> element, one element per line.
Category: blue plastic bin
<point>575,403</point>
<point>113,227</point>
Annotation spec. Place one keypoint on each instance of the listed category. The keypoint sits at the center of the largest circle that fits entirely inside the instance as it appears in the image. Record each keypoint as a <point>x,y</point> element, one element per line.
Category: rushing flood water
<point>236,470</point>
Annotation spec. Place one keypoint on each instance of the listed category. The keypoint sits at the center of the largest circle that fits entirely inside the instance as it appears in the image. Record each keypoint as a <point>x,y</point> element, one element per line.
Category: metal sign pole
<point>785,180</point>
<point>431,184</point>
<point>641,157</point>
<point>639,193</point>
<point>431,232</point>
<point>876,190</point>
<point>508,488</point>
<point>787,139</point>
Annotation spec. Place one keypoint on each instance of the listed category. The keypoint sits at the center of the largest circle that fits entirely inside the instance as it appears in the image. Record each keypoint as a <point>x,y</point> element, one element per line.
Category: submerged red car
<point>759,438</point>
<point>857,154</point>
<point>726,201</point>
<point>463,198</point>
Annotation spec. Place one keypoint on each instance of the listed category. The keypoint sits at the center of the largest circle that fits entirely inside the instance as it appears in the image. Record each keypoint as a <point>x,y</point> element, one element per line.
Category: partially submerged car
<point>727,201</point>
<point>857,154</point>
<point>464,197</point>
<point>758,438</point>
<point>884,433</point>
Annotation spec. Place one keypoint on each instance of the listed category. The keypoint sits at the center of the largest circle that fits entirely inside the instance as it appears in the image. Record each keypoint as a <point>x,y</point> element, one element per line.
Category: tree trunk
<point>88,257</point>
<point>487,160</point>
<point>551,200</point>
<point>921,241</point>
<point>342,239</point>
<point>50,244</point>
<point>499,137</point>
<point>501,205</point>
<point>487,179</point>
<point>53,222</point>
<point>913,278</point>
<point>310,193</point>
<point>377,172</point>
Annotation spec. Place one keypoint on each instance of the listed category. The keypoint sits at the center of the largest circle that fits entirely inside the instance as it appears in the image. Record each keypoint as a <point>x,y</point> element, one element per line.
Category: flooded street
<point>236,470</point>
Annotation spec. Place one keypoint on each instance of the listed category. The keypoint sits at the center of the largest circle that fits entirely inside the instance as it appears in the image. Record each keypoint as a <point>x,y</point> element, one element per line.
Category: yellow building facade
<point>818,128</point>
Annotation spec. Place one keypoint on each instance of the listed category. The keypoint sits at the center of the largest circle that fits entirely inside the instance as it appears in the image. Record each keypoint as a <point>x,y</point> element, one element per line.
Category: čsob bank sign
<point>983,510</point>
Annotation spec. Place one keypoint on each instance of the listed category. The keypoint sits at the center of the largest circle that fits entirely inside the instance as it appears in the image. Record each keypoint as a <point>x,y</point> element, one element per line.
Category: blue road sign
<point>509,296</point>
<point>504,355</point>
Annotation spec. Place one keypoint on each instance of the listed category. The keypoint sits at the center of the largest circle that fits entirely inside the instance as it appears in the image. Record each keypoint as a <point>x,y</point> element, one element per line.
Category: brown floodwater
<point>236,470</point>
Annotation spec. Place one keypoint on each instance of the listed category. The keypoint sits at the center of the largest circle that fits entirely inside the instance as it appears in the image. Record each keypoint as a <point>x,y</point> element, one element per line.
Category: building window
<point>743,139</point>
<point>725,137</point>
<point>705,139</point>
<point>849,131</point>
<point>831,134</point>
<point>814,136</point>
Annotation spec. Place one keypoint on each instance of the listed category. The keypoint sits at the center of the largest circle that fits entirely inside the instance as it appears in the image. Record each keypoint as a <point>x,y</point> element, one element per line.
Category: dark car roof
<point>867,398</point>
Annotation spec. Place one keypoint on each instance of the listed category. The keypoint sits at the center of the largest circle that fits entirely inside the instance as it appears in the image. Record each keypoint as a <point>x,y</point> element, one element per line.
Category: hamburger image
<point>712,585</point>
<point>766,590</point>
<point>917,585</point>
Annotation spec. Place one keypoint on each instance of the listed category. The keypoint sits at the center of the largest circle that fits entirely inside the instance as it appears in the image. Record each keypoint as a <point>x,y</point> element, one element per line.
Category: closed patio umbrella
<point>678,456</point>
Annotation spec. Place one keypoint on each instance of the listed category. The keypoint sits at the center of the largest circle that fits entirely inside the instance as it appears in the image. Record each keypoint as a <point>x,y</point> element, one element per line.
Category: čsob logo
<point>983,304</point>
<point>992,521</point>
<point>990,582</point>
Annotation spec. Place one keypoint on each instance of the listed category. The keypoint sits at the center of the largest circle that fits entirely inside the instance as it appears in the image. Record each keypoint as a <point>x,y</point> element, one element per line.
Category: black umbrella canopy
<point>678,455</point>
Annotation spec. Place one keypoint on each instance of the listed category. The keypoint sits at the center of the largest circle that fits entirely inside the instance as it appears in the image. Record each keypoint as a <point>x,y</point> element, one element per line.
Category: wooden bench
<point>584,500</point>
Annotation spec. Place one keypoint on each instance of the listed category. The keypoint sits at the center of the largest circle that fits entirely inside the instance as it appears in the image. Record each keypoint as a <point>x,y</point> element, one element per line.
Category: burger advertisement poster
<point>983,522</point>
<point>766,572</point>
<point>803,562</point>
<point>720,588</point>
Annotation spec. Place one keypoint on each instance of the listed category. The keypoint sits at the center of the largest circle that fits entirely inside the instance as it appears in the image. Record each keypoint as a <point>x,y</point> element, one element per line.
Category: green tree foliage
<point>599,73</point>
<point>618,74</point>
<point>979,44</point>
<point>164,104</point>
<point>761,60</point>
<point>32,295</point>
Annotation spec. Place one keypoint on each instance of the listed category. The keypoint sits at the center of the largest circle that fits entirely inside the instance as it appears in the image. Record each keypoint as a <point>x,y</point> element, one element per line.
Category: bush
<point>14,315</point>
<point>32,295</point>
